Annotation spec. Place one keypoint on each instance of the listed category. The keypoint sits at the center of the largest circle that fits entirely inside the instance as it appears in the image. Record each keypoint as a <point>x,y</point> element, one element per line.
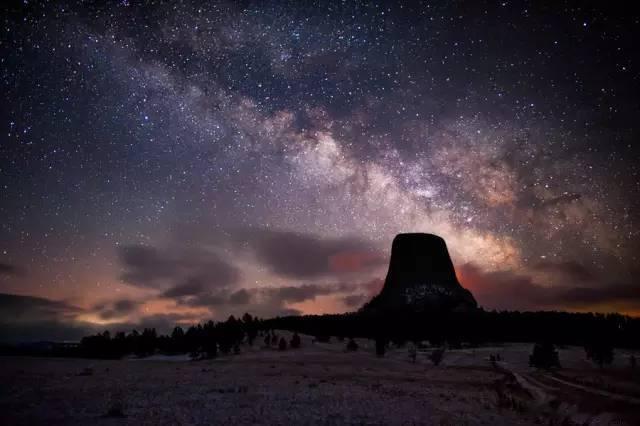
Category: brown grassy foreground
<point>318,384</point>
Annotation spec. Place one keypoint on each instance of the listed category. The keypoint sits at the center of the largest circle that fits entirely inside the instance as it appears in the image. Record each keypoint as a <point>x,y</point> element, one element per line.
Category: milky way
<point>187,161</point>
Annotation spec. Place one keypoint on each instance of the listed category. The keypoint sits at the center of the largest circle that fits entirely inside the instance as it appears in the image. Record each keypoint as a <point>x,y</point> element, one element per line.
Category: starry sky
<point>165,163</point>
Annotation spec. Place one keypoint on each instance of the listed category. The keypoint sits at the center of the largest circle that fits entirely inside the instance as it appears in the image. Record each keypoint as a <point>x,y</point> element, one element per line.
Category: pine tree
<point>295,341</point>
<point>352,346</point>
<point>282,346</point>
<point>544,356</point>
<point>600,351</point>
<point>436,356</point>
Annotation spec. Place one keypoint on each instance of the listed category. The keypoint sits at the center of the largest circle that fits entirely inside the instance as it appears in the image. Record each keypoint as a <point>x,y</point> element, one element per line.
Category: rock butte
<point>421,278</point>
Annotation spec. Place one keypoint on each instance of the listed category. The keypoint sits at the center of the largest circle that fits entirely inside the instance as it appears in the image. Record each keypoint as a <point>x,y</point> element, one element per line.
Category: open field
<point>318,384</point>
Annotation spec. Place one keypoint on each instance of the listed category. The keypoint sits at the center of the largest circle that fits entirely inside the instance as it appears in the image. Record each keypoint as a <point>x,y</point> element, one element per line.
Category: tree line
<point>199,341</point>
<point>472,328</point>
<point>598,333</point>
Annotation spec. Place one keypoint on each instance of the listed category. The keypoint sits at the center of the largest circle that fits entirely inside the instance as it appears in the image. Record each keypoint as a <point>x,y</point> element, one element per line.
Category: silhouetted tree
<point>352,346</point>
<point>209,340</point>
<point>98,346</point>
<point>455,327</point>
<point>544,356</point>
<point>282,345</point>
<point>251,329</point>
<point>193,340</point>
<point>295,341</point>
<point>120,345</point>
<point>147,343</point>
<point>600,351</point>
<point>472,328</point>
<point>412,352</point>
<point>436,356</point>
<point>178,340</point>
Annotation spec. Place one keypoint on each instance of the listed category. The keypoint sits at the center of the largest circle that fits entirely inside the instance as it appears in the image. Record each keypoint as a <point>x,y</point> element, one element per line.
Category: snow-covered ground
<point>317,384</point>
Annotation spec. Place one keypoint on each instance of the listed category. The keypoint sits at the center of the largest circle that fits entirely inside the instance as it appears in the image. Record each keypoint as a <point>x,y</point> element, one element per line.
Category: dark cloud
<point>16,308</point>
<point>265,295</point>
<point>628,294</point>
<point>307,256</point>
<point>287,312</point>
<point>116,309</point>
<point>518,291</point>
<point>17,332</point>
<point>125,305</point>
<point>191,287</point>
<point>355,300</point>
<point>290,254</point>
<point>296,294</point>
<point>240,297</point>
<point>179,271</point>
<point>163,323</point>
<point>570,270</point>
<point>144,266</point>
<point>263,301</point>
<point>28,318</point>
<point>373,287</point>
<point>215,299</point>
<point>186,276</point>
<point>503,289</point>
<point>10,270</point>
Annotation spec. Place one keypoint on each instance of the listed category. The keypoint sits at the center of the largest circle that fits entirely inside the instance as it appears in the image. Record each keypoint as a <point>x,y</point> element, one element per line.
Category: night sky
<point>165,164</point>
